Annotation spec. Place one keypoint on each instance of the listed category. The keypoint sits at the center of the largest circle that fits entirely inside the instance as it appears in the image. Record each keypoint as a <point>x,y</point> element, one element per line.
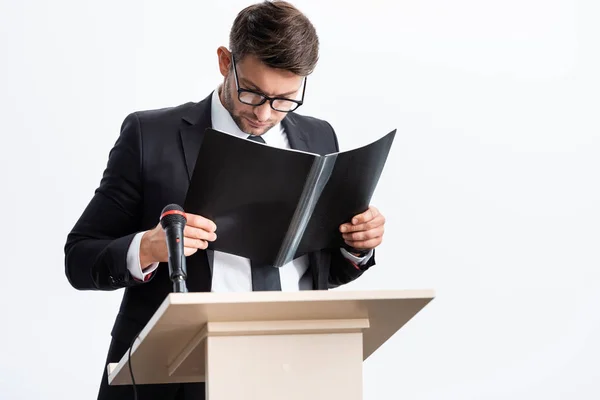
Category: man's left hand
<point>365,231</point>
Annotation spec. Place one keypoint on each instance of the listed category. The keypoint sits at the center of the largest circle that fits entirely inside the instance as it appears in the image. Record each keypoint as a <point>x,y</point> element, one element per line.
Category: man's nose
<point>263,112</point>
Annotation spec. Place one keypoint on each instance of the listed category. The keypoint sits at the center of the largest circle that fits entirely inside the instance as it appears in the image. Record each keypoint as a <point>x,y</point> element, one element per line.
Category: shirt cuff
<point>133,260</point>
<point>355,259</point>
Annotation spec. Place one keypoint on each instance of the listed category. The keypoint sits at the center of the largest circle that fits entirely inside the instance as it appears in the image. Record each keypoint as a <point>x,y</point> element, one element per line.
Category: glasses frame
<point>265,98</point>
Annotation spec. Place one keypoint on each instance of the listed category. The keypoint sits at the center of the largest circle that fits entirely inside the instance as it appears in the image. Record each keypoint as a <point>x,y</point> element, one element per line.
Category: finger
<point>198,221</point>
<point>366,216</point>
<point>364,235</point>
<point>379,220</point>
<point>195,243</point>
<point>365,244</point>
<point>188,251</point>
<point>197,233</point>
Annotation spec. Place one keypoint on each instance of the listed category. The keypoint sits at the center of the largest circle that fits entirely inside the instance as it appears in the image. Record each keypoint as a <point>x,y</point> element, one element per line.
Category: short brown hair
<point>278,34</point>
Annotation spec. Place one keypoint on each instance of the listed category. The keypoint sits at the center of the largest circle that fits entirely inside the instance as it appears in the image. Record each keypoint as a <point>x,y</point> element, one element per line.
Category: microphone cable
<point>135,395</point>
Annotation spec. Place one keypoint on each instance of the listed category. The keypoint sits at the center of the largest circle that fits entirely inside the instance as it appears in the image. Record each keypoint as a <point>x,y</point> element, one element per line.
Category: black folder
<point>273,205</point>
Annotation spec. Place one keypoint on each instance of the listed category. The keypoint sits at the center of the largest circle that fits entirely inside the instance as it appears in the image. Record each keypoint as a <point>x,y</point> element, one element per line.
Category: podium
<point>268,345</point>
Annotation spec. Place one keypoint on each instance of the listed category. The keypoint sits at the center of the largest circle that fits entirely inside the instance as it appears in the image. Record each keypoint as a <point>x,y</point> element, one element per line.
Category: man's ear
<point>224,57</point>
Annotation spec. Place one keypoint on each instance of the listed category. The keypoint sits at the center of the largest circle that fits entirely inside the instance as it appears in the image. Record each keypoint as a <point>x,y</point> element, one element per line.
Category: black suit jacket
<point>150,166</point>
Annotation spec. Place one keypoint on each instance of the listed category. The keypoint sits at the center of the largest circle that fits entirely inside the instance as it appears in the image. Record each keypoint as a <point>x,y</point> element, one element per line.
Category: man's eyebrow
<point>253,86</point>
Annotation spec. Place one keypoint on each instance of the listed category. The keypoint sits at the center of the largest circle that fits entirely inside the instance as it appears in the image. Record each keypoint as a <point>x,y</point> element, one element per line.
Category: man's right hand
<point>197,233</point>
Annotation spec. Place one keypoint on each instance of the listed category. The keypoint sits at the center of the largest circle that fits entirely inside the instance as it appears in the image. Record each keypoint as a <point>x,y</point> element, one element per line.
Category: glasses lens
<point>251,98</point>
<point>284,105</point>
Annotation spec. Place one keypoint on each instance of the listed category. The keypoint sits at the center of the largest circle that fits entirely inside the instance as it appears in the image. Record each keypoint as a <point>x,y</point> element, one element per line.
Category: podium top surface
<point>182,315</point>
<point>302,296</point>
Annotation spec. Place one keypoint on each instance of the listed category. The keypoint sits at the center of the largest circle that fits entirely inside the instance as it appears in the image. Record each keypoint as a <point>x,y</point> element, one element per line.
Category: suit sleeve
<point>343,270</point>
<point>96,248</point>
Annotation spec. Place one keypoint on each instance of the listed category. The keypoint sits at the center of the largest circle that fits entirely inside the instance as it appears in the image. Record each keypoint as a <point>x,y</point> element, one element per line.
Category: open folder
<point>273,205</point>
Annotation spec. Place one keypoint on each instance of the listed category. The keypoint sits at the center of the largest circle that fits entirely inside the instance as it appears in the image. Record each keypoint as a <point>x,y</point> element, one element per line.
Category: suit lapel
<point>196,121</point>
<point>297,138</point>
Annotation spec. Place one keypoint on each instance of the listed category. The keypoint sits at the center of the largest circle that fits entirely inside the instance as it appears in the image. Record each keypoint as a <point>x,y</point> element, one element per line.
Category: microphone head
<point>172,214</point>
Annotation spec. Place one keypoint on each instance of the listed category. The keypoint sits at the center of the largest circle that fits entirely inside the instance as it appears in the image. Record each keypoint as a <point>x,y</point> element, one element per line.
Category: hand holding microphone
<point>197,233</point>
<point>176,236</point>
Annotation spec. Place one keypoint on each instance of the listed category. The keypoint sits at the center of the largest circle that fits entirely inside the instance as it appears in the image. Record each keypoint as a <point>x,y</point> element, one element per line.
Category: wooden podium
<point>268,345</point>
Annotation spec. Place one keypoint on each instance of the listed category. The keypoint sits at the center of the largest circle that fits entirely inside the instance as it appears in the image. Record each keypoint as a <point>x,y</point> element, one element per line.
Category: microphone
<point>173,220</point>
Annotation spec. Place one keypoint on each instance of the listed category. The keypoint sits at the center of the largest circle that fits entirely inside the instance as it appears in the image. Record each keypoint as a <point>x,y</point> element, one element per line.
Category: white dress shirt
<point>232,273</point>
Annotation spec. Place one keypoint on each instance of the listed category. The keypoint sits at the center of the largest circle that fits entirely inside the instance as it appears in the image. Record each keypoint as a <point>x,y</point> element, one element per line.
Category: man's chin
<point>253,130</point>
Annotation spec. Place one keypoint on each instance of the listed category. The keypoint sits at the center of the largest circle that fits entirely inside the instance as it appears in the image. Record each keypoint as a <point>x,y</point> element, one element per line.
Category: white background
<point>491,192</point>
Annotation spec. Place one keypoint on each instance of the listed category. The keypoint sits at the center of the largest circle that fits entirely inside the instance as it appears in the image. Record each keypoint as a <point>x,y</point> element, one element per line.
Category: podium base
<point>292,360</point>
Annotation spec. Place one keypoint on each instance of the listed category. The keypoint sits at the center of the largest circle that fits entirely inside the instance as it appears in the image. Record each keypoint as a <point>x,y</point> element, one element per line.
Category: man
<point>118,242</point>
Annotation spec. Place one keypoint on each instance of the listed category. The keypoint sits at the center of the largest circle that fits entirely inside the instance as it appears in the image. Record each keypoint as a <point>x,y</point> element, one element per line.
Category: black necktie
<point>264,277</point>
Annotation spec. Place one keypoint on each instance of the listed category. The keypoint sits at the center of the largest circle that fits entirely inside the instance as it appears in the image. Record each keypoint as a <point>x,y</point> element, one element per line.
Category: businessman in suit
<point>118,243</point>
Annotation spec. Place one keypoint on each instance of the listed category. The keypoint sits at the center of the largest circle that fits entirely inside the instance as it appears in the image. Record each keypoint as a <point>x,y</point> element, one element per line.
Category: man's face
<point>256,76</point>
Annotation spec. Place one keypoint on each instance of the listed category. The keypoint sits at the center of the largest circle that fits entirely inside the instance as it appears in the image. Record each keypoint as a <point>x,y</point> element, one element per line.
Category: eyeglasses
<point>253,98</point>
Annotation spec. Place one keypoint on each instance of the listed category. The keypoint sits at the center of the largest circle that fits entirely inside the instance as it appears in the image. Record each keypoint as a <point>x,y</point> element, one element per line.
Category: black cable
<point>135,395</point>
